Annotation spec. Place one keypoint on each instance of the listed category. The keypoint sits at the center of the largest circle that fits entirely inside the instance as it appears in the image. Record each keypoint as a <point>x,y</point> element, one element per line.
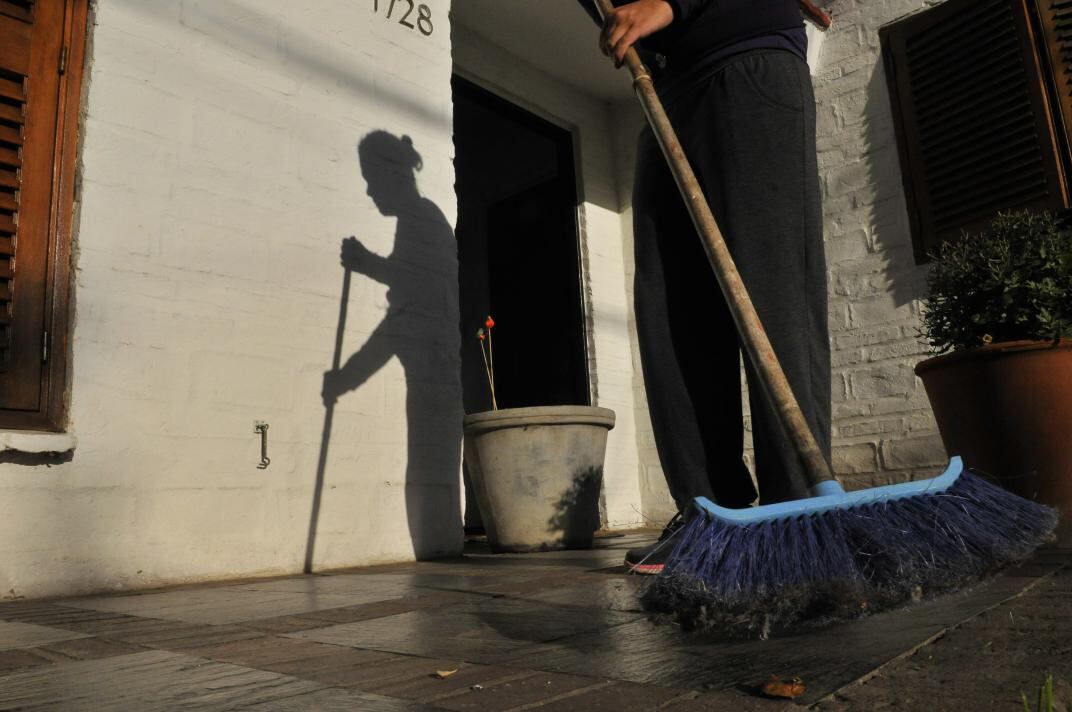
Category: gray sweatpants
<point>748,128</point>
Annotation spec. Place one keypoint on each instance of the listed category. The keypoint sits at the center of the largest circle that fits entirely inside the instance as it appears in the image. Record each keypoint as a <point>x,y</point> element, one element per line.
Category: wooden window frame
<point>51,414</point>
<point>1041,86</point>
<point>1050,40</point>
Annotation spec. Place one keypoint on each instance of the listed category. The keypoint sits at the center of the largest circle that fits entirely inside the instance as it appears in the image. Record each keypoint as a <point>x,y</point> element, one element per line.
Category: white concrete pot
<point>537,473</point>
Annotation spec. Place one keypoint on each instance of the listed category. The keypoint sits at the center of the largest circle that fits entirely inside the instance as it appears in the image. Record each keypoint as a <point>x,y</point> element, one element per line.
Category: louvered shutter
<point>974,127</point>
<point>1055,19</point>
<point>35,200</point>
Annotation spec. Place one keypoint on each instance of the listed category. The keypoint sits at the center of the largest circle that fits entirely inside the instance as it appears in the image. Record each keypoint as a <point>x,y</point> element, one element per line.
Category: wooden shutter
<point>1055,20</point>
<point>972,114</point>
<point>39,81</point>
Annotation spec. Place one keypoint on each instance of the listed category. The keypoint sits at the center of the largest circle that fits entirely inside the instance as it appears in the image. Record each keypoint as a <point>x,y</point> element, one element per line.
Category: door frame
<point>538,118</point>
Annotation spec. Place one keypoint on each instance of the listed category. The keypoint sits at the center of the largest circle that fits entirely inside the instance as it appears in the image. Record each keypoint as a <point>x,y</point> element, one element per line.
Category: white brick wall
<point>883,428</point>
<point>657,507</point>
<point>220,175</point>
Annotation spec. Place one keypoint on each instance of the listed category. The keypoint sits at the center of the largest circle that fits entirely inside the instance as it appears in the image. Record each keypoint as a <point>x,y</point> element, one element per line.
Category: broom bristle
<point>845,562</point>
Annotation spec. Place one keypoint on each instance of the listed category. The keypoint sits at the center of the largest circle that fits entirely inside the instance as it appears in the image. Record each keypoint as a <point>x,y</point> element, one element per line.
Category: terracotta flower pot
<point>537,474</point>
<point>1007,410</point>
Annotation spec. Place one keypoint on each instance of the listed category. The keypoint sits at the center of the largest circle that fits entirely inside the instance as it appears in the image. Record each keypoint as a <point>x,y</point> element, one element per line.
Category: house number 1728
<point>421,20</point>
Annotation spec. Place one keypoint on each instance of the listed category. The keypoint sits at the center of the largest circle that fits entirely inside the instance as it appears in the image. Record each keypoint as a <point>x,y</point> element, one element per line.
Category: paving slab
<point>370,671</point>
<point>88,649</point>
<point>336,700</point>
<point>547,580</point>
<point>20,659</point>
<point>380,609</point>
<point>155,680</point>
<point>435,688</point>
<point>826,659</point>
<point>616,697</point>
<point>216,606</point>
<point>56,616</point>
<point>332,666</point>
<point>133,628</point>
<point>261,650</point>
<point>366,587</point>
<point>19,610</point>
<point>28,635</point>
<point>199,637</point>
<point>484,563</point>
<point>637,651</point>
<point>529,688</point>
<point>286,624</point>
<point>613,594</point>
<point>479,632</point>
<point>416,583</point>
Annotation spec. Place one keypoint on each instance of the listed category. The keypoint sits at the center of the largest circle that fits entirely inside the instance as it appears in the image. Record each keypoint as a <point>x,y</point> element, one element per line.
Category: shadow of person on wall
<point>421,329</point>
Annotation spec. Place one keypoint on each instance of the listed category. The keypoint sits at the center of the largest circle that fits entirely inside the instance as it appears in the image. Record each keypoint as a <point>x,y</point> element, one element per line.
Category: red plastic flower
<point>489,322</point>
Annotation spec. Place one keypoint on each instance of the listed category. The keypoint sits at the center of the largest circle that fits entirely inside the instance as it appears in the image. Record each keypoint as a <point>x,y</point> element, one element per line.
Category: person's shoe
<point>650,560</point>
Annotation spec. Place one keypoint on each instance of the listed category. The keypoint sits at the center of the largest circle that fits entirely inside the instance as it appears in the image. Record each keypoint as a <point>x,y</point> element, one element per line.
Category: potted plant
<point>999,310</point>
<point>537,471</point>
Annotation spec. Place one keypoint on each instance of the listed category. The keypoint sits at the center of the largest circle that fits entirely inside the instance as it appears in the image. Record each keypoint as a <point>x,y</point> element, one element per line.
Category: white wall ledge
<point>30,441</point>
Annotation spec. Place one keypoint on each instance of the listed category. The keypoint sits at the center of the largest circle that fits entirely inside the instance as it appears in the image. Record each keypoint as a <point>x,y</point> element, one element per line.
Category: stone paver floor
<point>551,631</point>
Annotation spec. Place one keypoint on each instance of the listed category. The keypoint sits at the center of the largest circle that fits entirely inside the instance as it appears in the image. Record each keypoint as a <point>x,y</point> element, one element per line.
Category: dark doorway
<point>518,258</point>
<point>518,254</point>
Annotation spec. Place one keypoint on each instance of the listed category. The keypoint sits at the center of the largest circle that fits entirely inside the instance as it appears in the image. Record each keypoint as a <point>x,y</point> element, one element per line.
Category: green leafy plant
<point>1011,282</point>
<point>1046,701</point>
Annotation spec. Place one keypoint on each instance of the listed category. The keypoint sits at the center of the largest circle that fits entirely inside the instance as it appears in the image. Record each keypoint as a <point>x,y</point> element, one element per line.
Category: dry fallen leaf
<point>444,674</point>
<point>776,687</point>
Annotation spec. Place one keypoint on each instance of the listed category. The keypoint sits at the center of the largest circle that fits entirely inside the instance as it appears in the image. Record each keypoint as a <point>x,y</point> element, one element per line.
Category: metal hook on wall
<point>261,428</point>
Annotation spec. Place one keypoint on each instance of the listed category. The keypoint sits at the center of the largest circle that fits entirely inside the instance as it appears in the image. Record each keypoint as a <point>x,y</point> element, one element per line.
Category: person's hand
<point>626,25</point>
<point>354,254</point>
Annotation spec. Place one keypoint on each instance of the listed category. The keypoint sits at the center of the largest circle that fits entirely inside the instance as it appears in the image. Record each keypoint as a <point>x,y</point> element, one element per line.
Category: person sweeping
<point>735,83</point>
<point>742,104</point>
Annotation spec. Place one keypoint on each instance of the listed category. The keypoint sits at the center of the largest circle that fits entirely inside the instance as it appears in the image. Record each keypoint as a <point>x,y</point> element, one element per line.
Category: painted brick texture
<point>220,175</point>
<point>883,428</point>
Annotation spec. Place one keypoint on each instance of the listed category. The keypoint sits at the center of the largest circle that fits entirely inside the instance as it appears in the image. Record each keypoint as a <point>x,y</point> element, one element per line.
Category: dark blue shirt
<point>705,32</point>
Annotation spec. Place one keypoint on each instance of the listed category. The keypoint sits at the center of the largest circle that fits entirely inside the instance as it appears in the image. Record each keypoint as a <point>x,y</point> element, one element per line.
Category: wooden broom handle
<point>752,334</point>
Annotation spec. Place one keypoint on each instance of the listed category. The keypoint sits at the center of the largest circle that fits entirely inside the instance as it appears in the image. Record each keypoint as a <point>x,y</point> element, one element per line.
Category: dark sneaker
<point>649,560</point>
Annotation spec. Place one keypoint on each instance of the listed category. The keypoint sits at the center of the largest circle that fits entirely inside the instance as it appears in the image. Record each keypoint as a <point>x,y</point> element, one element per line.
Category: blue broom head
<point>840,555</point>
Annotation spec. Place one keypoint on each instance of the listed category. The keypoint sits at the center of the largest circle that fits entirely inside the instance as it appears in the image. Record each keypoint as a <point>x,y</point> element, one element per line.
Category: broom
<point>836,553</point>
